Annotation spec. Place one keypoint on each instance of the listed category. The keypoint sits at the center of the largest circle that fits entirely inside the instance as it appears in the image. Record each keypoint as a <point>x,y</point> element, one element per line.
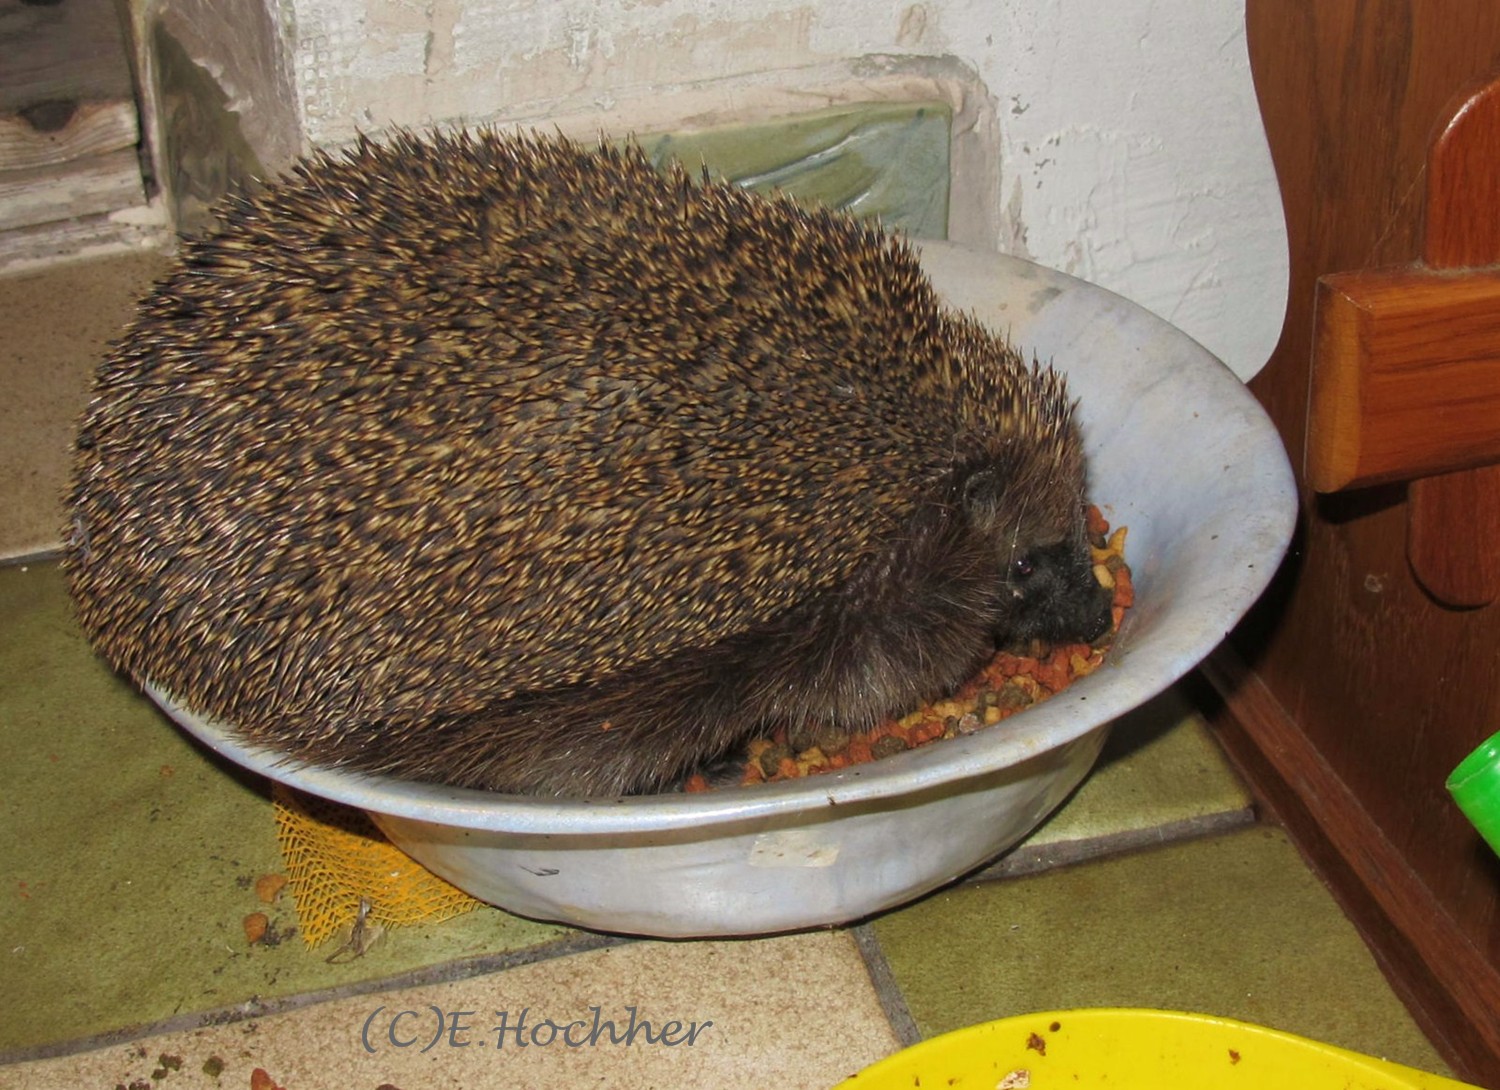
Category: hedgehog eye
<point>1022,566</point>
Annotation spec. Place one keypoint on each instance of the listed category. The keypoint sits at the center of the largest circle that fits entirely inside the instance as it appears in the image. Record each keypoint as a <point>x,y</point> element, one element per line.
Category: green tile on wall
<point>1233,925</point>
<point>130,853</point>
<point>888,160</point>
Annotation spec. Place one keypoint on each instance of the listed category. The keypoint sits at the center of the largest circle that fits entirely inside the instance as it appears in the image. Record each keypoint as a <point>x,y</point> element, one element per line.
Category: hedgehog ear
<point>980,492</point>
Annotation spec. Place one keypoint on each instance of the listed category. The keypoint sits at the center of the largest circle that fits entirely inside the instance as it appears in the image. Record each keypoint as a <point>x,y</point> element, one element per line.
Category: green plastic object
<point>1475,786</point>
<point>1125,1049</point>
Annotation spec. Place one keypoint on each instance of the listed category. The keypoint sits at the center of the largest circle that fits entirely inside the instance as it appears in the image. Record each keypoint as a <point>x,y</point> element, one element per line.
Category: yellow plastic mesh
<point>336,857</point>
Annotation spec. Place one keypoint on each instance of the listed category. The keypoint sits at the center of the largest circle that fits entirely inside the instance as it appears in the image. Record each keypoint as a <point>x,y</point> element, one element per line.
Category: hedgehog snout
<point>1051,593</point>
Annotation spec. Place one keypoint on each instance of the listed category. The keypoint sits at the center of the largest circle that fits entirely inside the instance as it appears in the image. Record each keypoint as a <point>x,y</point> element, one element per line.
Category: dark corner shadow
<point>1357,503</point>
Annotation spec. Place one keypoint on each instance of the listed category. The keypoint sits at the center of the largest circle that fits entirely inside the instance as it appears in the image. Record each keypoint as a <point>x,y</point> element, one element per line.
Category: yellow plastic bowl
<point>1134,1050</point>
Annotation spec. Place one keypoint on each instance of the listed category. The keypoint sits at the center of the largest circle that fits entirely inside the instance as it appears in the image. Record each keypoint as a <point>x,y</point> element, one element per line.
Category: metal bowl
<point>1181,454</point>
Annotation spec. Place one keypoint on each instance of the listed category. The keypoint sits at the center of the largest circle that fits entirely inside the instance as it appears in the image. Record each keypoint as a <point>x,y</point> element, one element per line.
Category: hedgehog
<point>510,462</point>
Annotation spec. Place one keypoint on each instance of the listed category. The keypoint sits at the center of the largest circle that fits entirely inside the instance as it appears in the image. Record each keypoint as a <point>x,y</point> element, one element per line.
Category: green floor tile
<point>1233,925</point>
<point>131,850</point>
<point>1161,777</point>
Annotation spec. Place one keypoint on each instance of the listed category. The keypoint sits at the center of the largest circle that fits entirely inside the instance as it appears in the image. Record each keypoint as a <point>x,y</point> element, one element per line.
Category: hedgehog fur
<point>506,462</point>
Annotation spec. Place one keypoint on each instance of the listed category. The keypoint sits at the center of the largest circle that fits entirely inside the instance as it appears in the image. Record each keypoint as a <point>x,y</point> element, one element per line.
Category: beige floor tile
<point>54,324</point>
<point>794,1011</point>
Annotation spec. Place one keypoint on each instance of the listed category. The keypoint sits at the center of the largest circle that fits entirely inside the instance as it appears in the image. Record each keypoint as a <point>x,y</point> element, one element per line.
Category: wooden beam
<point>1407,375</point>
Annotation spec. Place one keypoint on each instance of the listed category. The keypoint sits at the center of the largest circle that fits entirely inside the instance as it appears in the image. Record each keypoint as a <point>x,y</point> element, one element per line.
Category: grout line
<point>892,1002</point>
<point>254,1007</point>
<point>48,555</point>
<point>1045,857</point>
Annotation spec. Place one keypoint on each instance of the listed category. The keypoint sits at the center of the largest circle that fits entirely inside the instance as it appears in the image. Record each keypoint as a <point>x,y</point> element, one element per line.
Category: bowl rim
<point>1165,1032</point>
<point>962,761</point>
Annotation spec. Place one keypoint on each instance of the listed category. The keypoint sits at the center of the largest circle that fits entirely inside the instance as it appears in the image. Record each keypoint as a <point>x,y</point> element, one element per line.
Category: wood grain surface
<point>1406,381</point>
<point>1387,688</point>
<point>1454,518</point>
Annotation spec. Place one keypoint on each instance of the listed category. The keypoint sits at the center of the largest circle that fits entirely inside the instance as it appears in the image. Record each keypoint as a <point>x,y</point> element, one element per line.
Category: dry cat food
<point>1009,683</point>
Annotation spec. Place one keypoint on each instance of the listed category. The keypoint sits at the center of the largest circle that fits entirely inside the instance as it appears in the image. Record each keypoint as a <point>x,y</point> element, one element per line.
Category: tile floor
<point>129,853</point>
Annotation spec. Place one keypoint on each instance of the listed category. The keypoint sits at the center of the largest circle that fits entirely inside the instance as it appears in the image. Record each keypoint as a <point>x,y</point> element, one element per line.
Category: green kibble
<point>771,759</point>
<point>831,740</point>
<point>1013,696</point>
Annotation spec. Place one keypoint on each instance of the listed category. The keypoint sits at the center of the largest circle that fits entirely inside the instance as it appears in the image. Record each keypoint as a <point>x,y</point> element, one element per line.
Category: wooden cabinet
<point>1351,692</point>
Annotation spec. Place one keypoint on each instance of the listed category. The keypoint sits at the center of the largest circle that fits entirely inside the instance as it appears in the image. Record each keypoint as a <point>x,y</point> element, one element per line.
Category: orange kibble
<point>970,690</point>
<point>786,769</point>
<point>1052,679</point>
<point>268,887</point>
<point>256,925</point>
<point>859,751</point>
<point>839,760</point>
<point>1098,525</point>
<point>930,731</point>
<point>1007,666</point>
<point>1124,590</point>
<point>696,783</point>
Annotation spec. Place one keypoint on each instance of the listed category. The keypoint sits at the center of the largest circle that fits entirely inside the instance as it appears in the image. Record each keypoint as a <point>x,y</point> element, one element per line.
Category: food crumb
<point>1016,1080</point>
<point>256,924</point>
<point>269,886</point>
<point>1037,1043</point>
<point>213,1067</point>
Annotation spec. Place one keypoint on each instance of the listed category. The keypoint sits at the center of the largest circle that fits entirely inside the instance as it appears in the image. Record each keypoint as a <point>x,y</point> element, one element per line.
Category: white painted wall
<point>1130,148</point>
